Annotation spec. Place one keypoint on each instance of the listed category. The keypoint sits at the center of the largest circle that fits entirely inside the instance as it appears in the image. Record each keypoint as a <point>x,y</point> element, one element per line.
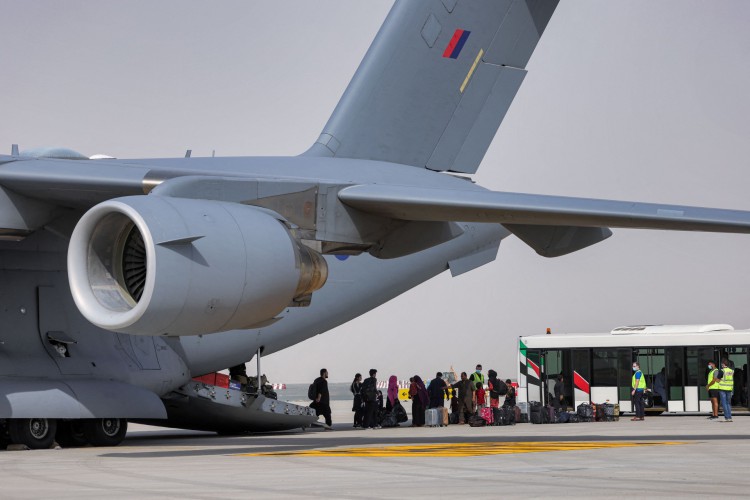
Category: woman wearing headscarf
<point>392,393</point>
<point>420,399</point>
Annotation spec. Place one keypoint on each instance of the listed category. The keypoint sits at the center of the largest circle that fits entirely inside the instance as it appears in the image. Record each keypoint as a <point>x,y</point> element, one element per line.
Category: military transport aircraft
<point>123,279</point>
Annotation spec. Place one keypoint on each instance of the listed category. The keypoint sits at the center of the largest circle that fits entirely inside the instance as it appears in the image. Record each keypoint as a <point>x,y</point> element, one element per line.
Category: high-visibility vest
<point>640,383</point>
<point>727,381</point>
<point>710,383</point>
<point>477,377</point>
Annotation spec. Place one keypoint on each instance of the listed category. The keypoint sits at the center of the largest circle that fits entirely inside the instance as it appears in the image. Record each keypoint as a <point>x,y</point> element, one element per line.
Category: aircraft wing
<point>538,219</point>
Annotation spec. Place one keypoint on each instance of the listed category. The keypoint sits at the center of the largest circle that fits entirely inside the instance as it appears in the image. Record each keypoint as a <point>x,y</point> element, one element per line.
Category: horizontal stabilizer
<point>426,204</point>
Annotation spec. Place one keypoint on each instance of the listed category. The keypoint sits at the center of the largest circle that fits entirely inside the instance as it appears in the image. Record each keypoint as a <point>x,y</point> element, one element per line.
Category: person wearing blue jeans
<point>726,386</point>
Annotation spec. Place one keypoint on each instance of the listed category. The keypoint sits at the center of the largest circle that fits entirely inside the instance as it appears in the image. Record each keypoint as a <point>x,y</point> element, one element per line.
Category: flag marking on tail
<point>458,40</point>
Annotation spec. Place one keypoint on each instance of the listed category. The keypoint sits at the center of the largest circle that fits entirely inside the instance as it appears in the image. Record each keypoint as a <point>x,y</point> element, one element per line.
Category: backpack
<point>499,388</point>
<point>312,392</point>
<point>369,391</point>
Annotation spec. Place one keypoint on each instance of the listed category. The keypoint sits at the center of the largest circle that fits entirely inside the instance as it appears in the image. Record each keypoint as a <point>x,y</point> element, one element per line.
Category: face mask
<point>710,367</point>
<point>635,368</point>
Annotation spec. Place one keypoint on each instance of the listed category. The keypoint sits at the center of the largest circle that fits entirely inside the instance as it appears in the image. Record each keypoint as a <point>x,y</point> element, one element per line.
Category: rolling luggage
<point>444,417</point>
<point>536,412</point>
<point>585,412</point>
<point>517,415</point>
<point>432,417</point>
<point>487,415</point>
<point>551,414</point>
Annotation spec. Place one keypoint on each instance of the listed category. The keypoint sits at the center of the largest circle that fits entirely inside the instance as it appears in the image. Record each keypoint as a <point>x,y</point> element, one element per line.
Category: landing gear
<point>70,434</point>
<point>105,431</point>
<point>36,433</point>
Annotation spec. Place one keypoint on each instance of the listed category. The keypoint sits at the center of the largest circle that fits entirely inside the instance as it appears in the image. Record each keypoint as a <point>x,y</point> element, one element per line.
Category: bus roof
<point>644,336</point>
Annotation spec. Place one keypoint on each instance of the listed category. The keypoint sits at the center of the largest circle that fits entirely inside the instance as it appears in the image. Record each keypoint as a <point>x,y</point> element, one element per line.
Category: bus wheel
<point>105,431</point>
<point>70,434</point>
<point>36,433</point>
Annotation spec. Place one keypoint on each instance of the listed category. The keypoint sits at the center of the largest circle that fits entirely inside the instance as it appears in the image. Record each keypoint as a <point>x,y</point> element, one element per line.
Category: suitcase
<point>486,414</point>
<point>609,412</point>
<point>444,417</point>
<point>517,414</point>
<point>497,415</point>
<point>551,414</point>
<point>585,412</point>
<point>536,413</point>
<point>432,417</point>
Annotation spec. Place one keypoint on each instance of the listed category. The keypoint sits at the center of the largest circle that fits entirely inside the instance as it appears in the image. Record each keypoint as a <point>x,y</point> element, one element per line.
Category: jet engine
<point>151,265</point>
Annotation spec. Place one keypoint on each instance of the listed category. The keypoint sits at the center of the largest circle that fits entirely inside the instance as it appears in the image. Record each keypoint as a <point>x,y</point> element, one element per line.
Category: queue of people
<point>372,410</point>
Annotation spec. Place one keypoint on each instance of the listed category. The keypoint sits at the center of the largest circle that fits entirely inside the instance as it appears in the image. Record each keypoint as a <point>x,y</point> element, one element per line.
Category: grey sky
<point>636,100</point>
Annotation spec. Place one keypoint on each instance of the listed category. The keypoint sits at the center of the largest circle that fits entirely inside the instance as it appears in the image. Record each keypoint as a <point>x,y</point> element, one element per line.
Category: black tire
<point>36,433</point>
<point>70,434</point>
<point>105,431</point>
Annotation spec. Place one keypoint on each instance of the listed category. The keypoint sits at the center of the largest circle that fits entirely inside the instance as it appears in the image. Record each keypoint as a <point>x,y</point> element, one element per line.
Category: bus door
<point>604,376</point>
<point>737,356</point>
<point>696,369</point>
<point>675,371</point>
<point>534,375</point>
<point>581,364</point>
<point>557,362</point>
<point>653,367</point>
<point>625,359</point>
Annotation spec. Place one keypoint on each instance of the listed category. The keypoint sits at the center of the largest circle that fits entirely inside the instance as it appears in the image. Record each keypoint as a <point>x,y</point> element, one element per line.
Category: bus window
<point>676,373</point>
<point>605,368</point>
<point>738,360</point>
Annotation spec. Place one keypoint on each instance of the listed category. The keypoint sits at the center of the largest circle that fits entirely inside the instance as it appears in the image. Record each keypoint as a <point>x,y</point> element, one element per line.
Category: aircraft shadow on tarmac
<point>250,444</point>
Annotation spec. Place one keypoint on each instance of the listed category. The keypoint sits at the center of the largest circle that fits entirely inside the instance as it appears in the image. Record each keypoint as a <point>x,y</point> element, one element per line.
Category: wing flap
<point>427,204</point>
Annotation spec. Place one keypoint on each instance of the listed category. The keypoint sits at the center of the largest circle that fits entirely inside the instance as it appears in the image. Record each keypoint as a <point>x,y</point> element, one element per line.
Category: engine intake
<point>150,265</point>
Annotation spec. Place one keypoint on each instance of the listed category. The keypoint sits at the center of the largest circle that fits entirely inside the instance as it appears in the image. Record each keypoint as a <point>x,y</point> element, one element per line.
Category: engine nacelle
<point>150,265</point>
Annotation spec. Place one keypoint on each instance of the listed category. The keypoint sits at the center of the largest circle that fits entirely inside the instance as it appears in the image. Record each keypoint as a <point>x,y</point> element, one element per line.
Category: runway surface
<point>667,456</point>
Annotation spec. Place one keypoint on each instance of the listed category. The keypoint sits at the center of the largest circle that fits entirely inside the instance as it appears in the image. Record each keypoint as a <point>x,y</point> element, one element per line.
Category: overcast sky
<point>637,100</point>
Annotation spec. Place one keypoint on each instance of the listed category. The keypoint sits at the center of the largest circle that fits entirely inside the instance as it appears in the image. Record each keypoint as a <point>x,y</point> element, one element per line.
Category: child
<point>480,396</point>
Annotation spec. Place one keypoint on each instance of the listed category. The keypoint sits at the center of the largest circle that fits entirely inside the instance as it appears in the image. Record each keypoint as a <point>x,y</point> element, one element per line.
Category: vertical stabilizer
<point>436,83</point>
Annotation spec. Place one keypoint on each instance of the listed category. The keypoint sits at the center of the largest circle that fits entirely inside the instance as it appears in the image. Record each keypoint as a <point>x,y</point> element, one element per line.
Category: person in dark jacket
<point>465,398</point>
<point>559,401</point>
<point>510,396</point>
<point>357,406</point>
<point>420,399</point>
<point>370,396</point>
<point>322,403</point>
<point>436,390</point>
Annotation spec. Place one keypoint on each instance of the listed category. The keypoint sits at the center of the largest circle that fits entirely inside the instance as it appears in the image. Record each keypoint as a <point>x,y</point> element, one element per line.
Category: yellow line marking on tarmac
<point>471,71</point>
<point>460,449</point>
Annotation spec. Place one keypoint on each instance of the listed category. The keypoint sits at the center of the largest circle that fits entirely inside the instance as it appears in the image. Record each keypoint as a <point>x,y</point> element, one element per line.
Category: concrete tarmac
<point>665,456</point>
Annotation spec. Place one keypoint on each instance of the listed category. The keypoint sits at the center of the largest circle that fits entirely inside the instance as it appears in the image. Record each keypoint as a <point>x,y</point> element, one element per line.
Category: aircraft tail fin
<point>436,83</point>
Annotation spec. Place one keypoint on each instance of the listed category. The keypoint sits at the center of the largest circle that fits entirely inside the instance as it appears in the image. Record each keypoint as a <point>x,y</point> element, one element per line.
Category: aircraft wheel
<point>36,433</point>
<point>105,431</point>
<point>70,433</point>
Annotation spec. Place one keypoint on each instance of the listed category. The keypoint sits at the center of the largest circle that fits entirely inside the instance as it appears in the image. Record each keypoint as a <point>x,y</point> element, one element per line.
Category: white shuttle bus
<point>598,367</point>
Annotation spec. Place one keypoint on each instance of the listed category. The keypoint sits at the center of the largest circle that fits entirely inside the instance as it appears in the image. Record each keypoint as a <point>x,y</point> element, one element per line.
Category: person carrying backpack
<point>369,397</point>
<point>497,388</point>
